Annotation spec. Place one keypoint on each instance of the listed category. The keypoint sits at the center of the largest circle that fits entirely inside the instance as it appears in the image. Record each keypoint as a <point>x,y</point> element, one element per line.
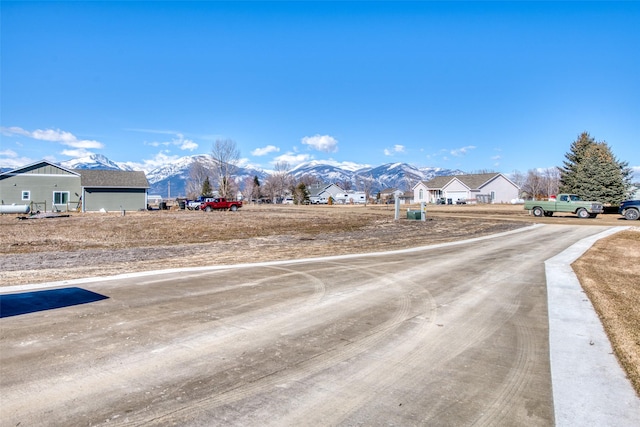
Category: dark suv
<point>630,209</point>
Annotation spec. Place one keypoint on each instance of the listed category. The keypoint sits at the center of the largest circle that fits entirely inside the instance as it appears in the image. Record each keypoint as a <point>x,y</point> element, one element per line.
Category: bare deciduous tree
<point>198,173</point>
<point>251,188</point>
<point>308,180</point>
<point>270,188</point>
<point>518,179</point>
<point>365,184</point>
<point>345,185</point>
<point>540,183</point>
<point>282,179</point>
<point>225,156</point>
<point>533,184</point>
<point>552,180</point>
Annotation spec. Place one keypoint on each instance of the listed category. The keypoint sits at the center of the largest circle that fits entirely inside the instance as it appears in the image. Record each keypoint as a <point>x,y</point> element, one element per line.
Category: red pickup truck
<point>220,203</point>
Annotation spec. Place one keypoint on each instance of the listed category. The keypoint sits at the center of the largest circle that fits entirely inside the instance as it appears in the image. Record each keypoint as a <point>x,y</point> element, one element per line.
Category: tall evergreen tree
<point>568,173</point>
<point>207,190</point>
<point>601,176</point>
<point>255,192</point>
<point>301,194</point>
<point>593,172</point>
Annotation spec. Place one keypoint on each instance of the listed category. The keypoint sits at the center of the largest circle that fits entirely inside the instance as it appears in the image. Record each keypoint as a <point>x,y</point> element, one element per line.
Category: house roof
<point>317,189</point>
<point>473,181</point>
<point>112,178</point>
<point>35,165</point>
<point>389,190</point>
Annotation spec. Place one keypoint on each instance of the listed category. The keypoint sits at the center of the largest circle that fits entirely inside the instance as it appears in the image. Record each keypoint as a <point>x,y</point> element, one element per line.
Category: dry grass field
<point>90,244</point>
<point>96,244</point>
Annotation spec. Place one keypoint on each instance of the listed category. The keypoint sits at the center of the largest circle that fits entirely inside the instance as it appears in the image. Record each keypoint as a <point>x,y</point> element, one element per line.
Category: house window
<point>60,197</point>
<point>26,195</point>
<point>421,194</point>
<point>493,195</point>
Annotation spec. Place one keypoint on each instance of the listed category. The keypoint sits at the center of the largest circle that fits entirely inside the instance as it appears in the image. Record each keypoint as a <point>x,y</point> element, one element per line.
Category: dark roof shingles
<point>112,178</point>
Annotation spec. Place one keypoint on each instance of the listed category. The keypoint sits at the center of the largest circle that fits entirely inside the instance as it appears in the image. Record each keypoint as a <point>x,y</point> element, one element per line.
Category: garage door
<point>455,195</point>
<point>129,199</point>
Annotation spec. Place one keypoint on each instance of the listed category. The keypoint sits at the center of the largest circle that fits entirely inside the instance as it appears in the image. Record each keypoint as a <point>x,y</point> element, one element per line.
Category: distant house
<point>388,195</point>
<point>320,193</point>
<point>48,187</point>
<point>473,188</point>
<point>406,198</point>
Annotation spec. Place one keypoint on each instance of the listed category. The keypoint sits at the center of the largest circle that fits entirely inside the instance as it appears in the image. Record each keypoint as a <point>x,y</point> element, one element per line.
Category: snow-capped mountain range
<point>170,179</point>
<point>95,161</point>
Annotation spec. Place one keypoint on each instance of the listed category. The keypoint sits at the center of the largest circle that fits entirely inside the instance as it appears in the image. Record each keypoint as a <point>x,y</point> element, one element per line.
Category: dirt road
<point>454,334</point>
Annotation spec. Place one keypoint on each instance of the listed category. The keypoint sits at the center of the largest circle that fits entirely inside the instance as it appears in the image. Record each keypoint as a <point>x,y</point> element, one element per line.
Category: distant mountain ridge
<point>95,161</point>
<point>170,180</point>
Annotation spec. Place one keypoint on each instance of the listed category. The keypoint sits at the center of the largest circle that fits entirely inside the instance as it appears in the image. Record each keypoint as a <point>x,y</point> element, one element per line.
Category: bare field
<point>96,244</point>
<point>90,244</point>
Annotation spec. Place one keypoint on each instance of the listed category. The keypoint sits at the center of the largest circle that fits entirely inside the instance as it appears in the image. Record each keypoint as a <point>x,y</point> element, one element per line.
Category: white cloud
<point>8,153</point>
<point>86,144</point>
<point>10,159</point>
<point>187,144</point>
<point>158,131</point>
<point>636,172</point>
<point>265,150</point>
<point>55,135</point>
<point>396,149</point>
<point>77,152</point>
<point>179,141</point>
<point>324,143</point>
<point>156,143</point>
<point>14,130</point>
<point>292,158</point>
<point>147,165</point>
<point>458,152</point>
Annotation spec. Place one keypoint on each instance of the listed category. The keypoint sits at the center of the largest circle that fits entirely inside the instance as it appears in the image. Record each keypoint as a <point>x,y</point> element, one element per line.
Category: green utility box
<point>414,214</point>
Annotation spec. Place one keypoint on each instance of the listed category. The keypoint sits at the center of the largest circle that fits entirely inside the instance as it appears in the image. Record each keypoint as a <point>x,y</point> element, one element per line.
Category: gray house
<point>320,193</point>
<point>48,187</point>
<point>474,188</point>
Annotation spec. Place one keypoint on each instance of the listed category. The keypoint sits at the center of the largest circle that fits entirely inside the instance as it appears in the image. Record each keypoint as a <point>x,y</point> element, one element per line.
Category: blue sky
<point>499,86</point>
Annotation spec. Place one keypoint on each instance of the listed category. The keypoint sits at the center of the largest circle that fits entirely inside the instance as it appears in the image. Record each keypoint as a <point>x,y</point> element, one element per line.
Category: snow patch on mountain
<point>94,161</point>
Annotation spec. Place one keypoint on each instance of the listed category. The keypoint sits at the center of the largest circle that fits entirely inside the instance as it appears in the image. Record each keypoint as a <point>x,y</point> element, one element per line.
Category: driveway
<point>454,334</point>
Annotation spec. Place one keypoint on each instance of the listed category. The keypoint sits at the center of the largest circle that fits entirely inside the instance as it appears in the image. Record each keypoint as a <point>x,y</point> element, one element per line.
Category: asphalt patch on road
<point>32,302</point>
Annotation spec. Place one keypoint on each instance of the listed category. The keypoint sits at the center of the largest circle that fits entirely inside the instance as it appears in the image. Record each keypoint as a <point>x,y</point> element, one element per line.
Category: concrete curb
<point>589,386</point>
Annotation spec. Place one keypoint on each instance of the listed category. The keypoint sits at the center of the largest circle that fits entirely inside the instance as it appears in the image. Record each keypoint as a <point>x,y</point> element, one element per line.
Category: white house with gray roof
<point>472,188</point>
<point>320,193</point>
<point>48,187</point>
